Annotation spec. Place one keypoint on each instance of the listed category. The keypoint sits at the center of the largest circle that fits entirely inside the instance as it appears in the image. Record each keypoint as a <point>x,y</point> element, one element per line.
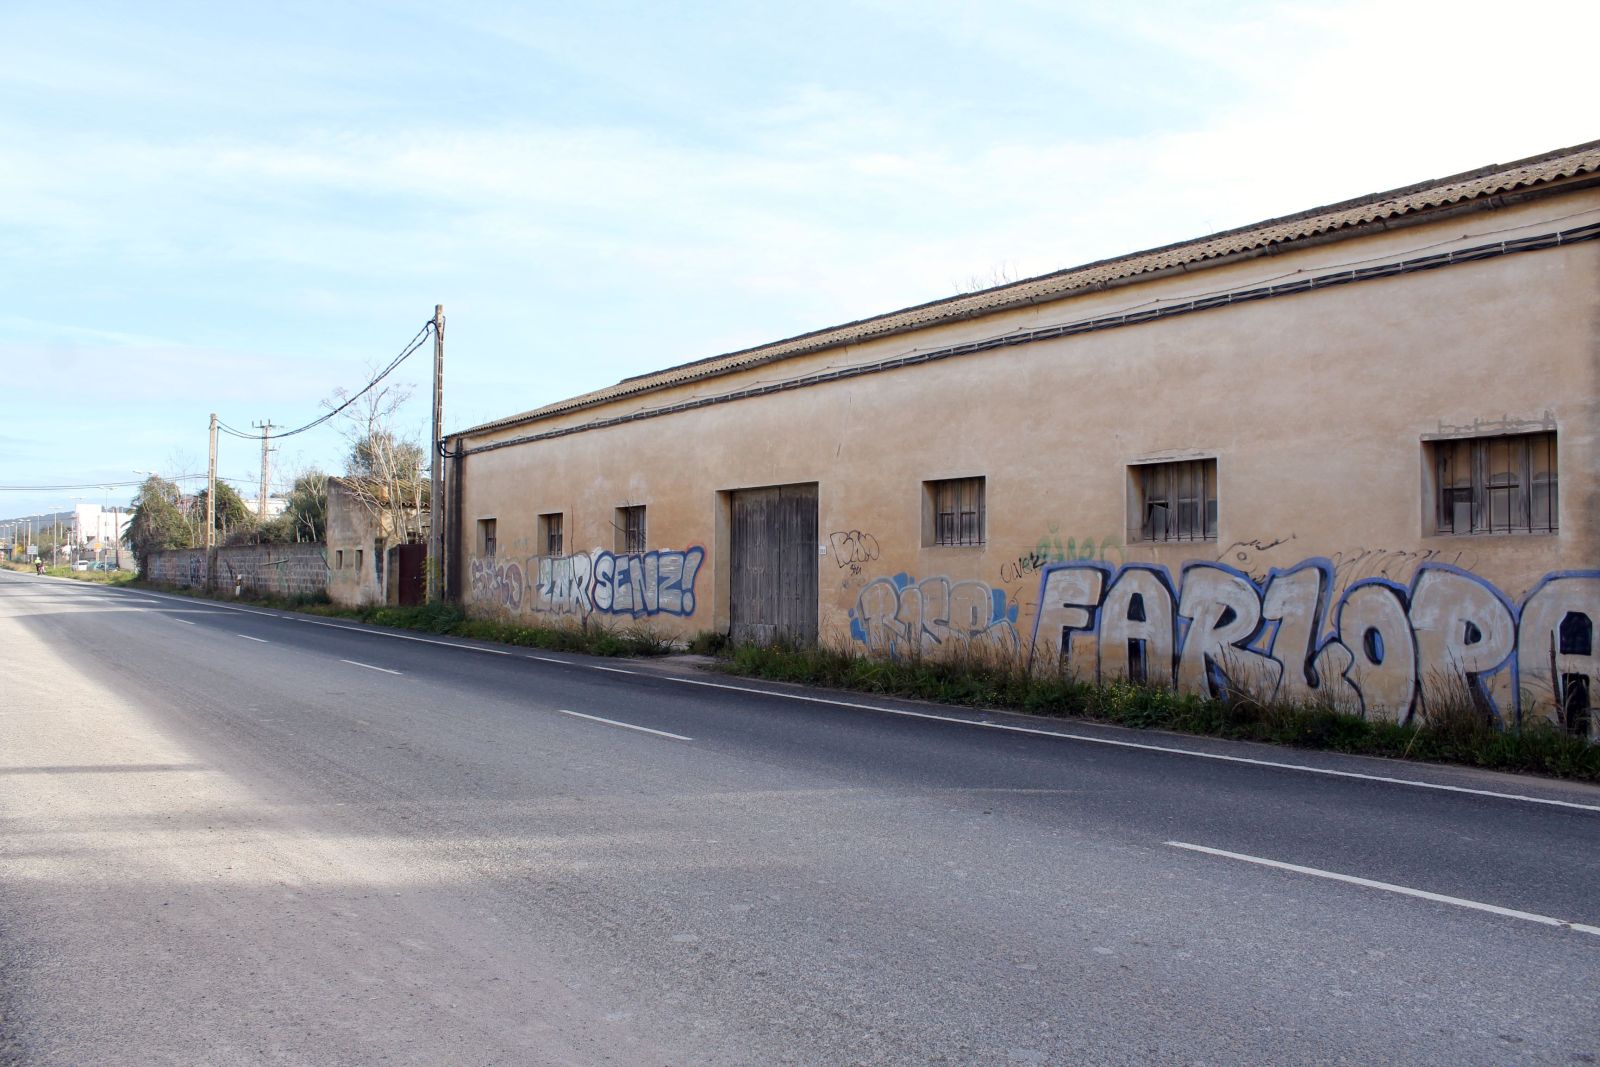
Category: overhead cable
<point>414,344</point>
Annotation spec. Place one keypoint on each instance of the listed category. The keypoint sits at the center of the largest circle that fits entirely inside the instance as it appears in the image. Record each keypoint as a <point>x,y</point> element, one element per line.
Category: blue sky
<point>240,209</point>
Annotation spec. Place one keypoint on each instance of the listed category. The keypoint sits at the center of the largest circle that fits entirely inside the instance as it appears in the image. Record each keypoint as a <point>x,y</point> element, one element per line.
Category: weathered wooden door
<point>774,541</point>
<point>411,567</point>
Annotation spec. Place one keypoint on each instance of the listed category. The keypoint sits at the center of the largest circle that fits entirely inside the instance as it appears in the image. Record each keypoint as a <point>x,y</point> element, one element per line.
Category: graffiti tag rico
<point>900,615</point>
<point>1382,649</point>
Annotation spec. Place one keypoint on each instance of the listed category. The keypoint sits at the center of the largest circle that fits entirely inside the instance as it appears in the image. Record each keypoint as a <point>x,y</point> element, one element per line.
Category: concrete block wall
<point>286,570</point>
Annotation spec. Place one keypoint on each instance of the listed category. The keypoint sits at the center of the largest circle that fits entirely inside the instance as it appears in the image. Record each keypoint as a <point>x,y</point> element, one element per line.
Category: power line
<point>414,344</point>
<point>110,485</point>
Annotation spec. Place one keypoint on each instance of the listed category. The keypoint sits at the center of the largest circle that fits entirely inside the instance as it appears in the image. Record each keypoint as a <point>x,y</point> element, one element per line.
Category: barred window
<point>954,511</point>
<point>550,527</point>
<point>1497,484</point>
<point>486,538</point>
<point>1177,501</point>
<point>630,530</point>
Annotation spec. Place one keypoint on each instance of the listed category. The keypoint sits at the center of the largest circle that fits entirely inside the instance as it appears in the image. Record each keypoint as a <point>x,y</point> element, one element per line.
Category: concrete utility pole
<point>436,479</point>
<point>266,436</point>
<point>211,506</point>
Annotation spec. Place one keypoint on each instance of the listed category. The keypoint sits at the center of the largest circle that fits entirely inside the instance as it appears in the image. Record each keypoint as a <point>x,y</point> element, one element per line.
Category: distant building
<point>276,505</point>
<point>96,531</point>
<point>1347,455</point>
<point>369,560</point>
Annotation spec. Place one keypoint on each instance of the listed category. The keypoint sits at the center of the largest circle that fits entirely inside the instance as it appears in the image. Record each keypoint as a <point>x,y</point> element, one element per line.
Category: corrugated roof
<point>1424,196</point>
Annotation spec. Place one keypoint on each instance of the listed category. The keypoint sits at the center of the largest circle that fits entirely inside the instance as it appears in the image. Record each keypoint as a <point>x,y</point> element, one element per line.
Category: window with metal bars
<point>956,510</point>
<point>1490,485</point>
<point>1177,501</point>
<point>550,527</point>
<point>486,538</point>
<point>630,530</point>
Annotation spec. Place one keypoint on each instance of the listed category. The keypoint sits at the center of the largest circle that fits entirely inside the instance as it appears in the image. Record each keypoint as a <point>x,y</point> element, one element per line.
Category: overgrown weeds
<point>1451,727</point>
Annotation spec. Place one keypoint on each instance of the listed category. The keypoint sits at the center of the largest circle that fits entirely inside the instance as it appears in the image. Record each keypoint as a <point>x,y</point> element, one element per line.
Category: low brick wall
<point>288,570</point>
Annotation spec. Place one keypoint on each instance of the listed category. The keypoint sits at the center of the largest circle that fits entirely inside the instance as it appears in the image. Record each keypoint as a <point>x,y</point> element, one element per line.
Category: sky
<point>242,209</point>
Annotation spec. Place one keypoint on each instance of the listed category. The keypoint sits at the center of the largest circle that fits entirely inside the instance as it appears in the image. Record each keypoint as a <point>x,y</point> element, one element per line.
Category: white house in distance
<point>96,530</point>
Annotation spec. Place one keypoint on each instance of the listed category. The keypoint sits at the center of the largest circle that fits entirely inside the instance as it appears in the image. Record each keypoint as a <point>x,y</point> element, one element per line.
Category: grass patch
<point>1450,729</point>
<point>96,577</point>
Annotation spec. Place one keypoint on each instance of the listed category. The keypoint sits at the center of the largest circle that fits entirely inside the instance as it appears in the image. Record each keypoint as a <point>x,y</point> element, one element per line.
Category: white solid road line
<point>1034,731</point>
<point>1169,749</point>
<point>247,637</point>
<point>368,666</point>
<point>624,725</point>
<point>332,625</point>
<point>186,622</point>
<point>1390,887</point>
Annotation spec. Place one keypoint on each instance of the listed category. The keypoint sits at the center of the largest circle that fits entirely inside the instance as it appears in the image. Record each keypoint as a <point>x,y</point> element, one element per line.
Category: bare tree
<point>999,274</point>
<point>385,468</point>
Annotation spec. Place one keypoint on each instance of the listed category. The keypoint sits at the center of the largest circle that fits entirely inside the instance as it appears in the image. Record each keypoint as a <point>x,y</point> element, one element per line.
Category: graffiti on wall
<point>1053,548</point>
<point>640,585</point>
<point>1378,647</point>
<point>496,583</point>
<point>852,548</point>
<point>1258,558</point>
<point>902,616</point>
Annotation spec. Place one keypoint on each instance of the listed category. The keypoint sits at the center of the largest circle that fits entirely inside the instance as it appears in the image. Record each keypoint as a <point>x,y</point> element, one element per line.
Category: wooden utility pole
<point>211,507</point>
<point>436,467</point>
<point>261,501</point>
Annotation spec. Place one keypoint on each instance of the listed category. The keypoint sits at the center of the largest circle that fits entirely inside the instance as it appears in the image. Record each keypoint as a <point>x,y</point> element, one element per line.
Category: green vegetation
<point>157,520</point>
<point>708,643</point>
<point>1451,731</point>
<point>97,577</point>
<point>305,518</point>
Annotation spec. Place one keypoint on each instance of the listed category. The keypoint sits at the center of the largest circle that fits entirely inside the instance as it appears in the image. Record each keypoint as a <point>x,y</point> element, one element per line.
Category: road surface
<point>246,837</point>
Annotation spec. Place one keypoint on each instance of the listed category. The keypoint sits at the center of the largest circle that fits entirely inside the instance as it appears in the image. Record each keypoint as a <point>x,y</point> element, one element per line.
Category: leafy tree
<point>231,512</point>
<point>157,522</point>
<point>306,517</point>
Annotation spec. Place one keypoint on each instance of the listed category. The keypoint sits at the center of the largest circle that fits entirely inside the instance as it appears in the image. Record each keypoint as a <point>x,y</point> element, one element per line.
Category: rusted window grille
<point>630,522</point>
<point>1178,501</point>
<point>552,533</point>
<point>1497,484</point>
<point>958,511</point>
<point>486,540</point>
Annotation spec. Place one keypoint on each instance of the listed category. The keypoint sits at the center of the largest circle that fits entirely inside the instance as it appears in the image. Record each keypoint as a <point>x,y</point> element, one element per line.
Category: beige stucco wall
<point>354,550</point>
<point>1315,406</point>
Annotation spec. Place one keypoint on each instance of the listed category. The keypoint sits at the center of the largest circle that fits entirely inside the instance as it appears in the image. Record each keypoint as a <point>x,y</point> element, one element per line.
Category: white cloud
<point>614,243</point>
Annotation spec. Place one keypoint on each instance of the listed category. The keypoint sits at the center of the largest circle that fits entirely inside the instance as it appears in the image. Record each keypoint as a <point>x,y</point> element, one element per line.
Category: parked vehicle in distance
<point>83,565</point>
<point>105,565</point>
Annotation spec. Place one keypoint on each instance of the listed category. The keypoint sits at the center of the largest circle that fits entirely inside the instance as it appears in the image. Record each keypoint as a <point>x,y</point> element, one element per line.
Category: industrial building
<point>1348,454</point>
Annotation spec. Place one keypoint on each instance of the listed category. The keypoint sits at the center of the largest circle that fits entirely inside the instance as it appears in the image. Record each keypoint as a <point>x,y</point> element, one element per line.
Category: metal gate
<point>411,573</point>
<point>774,564</point>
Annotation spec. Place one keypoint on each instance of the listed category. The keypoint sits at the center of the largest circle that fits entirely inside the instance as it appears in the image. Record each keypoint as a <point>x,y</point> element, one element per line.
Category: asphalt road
<point>244,837</point>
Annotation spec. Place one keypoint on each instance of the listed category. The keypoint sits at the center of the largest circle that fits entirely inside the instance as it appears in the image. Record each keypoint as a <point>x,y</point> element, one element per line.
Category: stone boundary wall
<point>287,570</point>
